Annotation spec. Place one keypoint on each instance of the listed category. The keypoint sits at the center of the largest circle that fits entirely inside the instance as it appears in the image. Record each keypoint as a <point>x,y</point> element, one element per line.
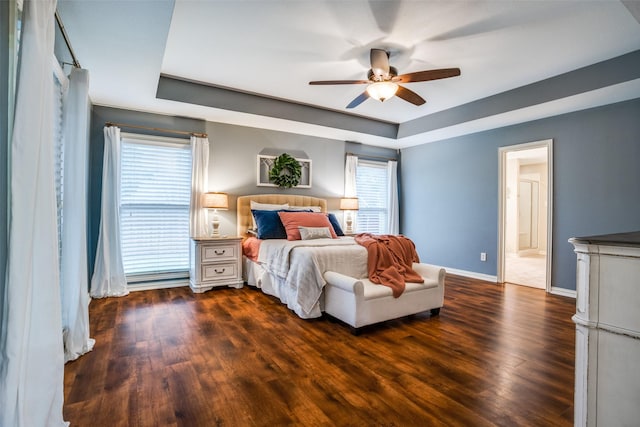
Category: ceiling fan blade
<point>359,100</point>
<point>423,76</point>
<point>340,82</point>
<point>385,13</point>
<point>409,96</point>
<point>379,62</point>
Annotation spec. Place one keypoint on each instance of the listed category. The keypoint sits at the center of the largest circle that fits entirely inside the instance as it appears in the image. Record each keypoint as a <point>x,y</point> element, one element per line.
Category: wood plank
<point>497,355</point>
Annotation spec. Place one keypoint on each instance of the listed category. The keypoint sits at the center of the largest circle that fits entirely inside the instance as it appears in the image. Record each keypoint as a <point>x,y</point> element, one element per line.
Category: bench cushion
<point>373,290</point>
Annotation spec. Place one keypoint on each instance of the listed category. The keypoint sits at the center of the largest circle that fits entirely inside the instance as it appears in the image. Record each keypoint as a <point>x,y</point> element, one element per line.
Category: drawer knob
<point>220,252</point>
<point>219,272</point>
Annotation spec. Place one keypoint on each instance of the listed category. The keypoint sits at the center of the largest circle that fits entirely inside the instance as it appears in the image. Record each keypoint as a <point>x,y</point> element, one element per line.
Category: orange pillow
<point>292,220</point>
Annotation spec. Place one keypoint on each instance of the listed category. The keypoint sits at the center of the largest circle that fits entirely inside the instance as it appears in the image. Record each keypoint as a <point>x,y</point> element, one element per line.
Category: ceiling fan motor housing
<point>393,72</point>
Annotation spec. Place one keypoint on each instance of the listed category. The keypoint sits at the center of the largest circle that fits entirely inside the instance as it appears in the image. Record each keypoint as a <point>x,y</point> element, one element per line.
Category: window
<point>154,207</point>
<point>59,83</point>
<point>371,186</point>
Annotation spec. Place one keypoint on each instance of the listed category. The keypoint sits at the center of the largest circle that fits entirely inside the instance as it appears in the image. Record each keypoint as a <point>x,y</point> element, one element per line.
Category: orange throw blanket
<point>390,260</point>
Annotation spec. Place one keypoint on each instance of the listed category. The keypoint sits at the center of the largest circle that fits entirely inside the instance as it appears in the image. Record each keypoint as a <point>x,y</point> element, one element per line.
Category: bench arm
<point>429,271</point>
<point>344,282</point>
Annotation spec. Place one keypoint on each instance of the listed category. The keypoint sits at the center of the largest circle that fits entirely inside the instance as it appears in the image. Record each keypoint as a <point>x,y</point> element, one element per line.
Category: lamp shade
<point>382,90</point>
<point>215,201</point>
<point>349,204</point>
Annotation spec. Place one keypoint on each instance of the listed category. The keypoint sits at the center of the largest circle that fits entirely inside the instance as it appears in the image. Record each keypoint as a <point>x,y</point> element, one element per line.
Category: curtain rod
<point>366,156</point>
<point>76,63</point>
<point>179,132</point>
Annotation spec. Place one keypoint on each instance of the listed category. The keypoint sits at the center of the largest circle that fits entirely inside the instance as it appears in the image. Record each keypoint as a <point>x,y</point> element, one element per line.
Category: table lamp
<point>349,204</point>
<point>215,201</point>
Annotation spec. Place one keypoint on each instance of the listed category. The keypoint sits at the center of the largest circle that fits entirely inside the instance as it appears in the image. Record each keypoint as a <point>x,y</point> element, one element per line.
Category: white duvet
<point>297,267</point>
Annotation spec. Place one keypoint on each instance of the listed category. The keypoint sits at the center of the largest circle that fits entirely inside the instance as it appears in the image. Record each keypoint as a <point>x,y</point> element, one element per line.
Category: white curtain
<point>350,168</point>
<point>393,226</point>
<point>199,185</point>
<point>73,274</point>
<point>108,275</point>
<point>32,369</point>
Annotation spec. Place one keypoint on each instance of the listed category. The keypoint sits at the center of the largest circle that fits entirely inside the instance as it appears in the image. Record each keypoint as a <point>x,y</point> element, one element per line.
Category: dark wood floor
<point>498,355</point>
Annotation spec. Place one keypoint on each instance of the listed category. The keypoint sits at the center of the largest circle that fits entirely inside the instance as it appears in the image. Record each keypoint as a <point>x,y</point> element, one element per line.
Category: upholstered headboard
<point>244,220</point>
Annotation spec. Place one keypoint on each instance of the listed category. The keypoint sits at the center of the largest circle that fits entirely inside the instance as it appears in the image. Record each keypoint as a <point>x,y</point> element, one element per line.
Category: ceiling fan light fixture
<point>382,90</point>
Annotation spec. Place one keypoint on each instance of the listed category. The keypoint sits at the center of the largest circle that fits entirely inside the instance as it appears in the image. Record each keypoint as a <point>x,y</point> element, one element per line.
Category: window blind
<point>58,152</point>
<point>154,207</point>
<point>371,187</point>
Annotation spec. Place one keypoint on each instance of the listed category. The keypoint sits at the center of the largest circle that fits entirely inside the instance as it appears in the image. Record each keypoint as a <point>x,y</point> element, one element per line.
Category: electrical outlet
<point>483,256</point>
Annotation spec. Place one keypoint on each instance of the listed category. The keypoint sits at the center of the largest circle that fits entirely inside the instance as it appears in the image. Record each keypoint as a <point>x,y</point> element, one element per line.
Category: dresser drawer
<point>219,271</point>
<point>211,253</point>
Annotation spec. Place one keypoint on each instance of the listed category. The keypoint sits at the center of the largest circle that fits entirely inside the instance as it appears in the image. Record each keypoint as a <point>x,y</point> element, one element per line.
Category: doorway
<point>524,255</point>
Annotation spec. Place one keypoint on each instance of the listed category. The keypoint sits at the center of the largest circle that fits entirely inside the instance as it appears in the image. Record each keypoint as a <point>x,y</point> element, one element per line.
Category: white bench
<point>359,302</point>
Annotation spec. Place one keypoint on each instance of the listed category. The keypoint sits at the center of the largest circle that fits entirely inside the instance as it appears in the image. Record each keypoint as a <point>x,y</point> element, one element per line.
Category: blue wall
<point>232,164</point>
<point>449,200</point>
<point>450,208</point>
<point>364,151</point>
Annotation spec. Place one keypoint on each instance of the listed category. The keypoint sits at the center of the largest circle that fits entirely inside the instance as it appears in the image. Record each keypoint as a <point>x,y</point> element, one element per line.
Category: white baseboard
<point>472,274</point>
<point>563,292</point>
<point>162,284</point>
<point>494,279</point>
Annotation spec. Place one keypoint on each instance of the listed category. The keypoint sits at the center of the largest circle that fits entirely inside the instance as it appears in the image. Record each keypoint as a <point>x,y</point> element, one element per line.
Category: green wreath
<point>286,171</point>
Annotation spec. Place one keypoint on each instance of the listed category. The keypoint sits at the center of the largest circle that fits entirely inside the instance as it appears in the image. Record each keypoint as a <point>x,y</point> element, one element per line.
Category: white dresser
<point>607,383</point>
<point>215,262</point>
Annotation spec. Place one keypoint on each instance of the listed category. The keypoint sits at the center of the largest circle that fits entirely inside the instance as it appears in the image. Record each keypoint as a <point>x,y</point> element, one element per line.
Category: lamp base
<point>349,224</point>
<point>215,228</point>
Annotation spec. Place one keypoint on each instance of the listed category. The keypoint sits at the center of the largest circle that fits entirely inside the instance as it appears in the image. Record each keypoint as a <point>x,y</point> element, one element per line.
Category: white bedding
<point>296,269</point>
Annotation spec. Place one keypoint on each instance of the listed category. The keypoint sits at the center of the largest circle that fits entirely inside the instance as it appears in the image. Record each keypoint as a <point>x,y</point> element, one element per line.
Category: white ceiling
<point>275,47</point>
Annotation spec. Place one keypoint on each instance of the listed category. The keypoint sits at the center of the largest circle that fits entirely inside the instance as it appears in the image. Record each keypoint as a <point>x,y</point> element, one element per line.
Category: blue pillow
<point>336,224</point>
<point>269,225</point>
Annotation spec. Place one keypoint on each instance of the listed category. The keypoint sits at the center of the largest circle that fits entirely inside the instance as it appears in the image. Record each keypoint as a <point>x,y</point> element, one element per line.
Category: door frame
<point>502,198</point>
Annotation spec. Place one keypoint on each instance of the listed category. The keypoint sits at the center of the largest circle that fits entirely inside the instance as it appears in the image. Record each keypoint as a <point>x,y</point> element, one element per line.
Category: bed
<point>326,274</point>
<point>293,271</point>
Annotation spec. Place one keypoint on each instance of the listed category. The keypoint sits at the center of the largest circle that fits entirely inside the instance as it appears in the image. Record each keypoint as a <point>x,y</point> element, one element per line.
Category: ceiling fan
<point>383,80</point>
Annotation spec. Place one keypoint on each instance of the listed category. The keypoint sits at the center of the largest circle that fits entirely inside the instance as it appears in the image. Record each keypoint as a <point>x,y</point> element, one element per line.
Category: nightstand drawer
<point>219,271</point>
<point>211,253</point>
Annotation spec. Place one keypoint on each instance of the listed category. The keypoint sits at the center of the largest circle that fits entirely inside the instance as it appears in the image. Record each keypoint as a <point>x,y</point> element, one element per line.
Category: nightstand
<point>215,262</point>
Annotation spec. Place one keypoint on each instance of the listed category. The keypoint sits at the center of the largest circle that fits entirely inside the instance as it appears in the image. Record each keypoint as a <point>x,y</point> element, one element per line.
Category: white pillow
<point>309,233</point>
<point>265,207</point>
<point>268,206</point>
<point>305,208</point>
